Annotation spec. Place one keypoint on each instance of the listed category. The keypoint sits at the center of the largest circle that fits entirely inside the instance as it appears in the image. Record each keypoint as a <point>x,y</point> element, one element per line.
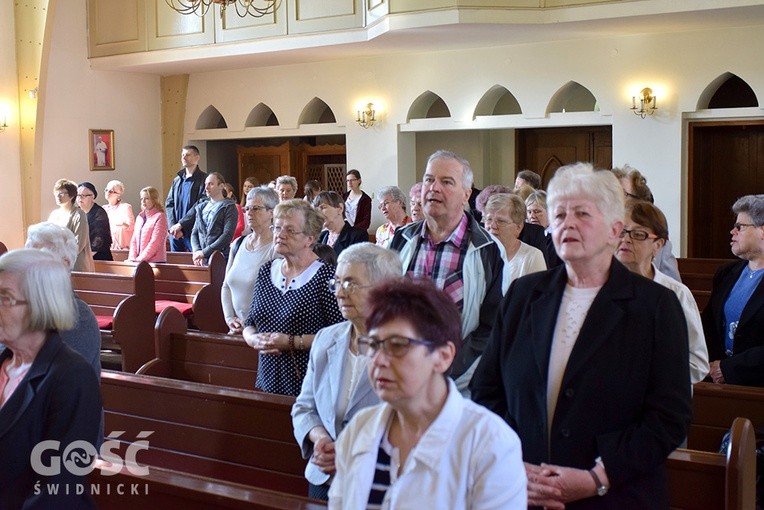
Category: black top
<point>348,235</point>
<point>100,233</point>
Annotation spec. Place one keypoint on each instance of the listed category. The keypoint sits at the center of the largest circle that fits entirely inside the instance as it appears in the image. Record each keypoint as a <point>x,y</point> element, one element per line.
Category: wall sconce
<point>648,103</point>
<point>366,118</point>
<point>32,93</point>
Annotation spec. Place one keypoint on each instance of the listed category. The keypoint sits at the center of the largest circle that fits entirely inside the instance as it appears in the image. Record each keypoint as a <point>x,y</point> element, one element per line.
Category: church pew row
<point>715,406</point>
<point>211,358</point>
<point>173,257</point>
<point>227,434</point>
<point>700,480</point>
<point>166,488</point>
<point>698,275</point>
<point>124,307</point>
<point>195,290</point>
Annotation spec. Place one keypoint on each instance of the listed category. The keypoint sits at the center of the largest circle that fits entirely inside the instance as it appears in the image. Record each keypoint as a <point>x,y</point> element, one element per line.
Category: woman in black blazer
<point>588,362</point>
<point>733,321</point>
<point>47,391</point>
<point>337,232</point>
<point>357,202</point>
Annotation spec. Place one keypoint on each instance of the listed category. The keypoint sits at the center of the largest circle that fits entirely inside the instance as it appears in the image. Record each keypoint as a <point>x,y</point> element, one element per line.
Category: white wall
<point>677,66</point>
<point>78,99</point>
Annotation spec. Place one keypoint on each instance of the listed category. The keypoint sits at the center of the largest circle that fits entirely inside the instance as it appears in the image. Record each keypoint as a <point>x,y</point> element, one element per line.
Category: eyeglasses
<point>111,191</point>
<point>256,208</point>
<point>637,235</point>
<point>740,226</point>
<point>396,346</point>
<point>347,286</point>
<point>496,221</point>
<point>352,180</point>
<point>289,232</point>
<point>85,195</point>
<point>9,301</point>
<point>385,204</point>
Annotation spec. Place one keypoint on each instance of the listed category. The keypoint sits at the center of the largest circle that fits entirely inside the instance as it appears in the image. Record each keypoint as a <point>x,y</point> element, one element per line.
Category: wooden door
<point>726,161</point>
<point>544,150</point>
<point>264,163</point>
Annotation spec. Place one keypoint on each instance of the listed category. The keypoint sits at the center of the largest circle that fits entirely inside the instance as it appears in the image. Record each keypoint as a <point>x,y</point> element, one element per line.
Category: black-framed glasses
<point>288,231</point>
<point>348,286</point>
<point>740,226</point>
<point>10,301</point>
<point>637,235</point>
<point>395,345</point>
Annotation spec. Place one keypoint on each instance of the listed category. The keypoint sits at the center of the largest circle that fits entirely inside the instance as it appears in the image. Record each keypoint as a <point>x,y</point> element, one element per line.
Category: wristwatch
<point>601,489</point>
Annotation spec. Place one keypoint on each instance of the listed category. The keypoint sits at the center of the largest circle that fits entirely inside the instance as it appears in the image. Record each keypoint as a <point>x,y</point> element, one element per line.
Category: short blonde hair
<point>513,204</point>
<point>47,288</point>
<point>313,220</point>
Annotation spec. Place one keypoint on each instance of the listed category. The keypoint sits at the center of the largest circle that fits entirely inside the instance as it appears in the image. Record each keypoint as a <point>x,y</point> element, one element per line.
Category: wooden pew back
<point>211,358</point>
<point>698,275</point>
<point>173,257</point>
<point>233,435</point>
<point>129,301</point>
<point>715,407</point>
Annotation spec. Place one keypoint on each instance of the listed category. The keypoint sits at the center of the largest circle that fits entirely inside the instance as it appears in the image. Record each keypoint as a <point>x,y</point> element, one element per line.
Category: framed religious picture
<point>101,149</point>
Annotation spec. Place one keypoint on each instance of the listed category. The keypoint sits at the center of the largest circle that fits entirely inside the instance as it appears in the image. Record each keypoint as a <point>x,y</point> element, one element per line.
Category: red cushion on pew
<point>184,308</point>
<point>104,321</point>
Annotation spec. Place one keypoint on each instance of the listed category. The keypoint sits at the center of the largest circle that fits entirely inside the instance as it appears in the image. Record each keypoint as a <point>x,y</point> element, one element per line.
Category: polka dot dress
<point>300,311</point>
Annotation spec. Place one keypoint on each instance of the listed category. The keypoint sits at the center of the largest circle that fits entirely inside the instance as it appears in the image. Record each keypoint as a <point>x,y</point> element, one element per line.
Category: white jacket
<point>468,458</point>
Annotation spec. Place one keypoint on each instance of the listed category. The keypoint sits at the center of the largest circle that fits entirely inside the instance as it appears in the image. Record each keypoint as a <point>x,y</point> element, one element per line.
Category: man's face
<point>520,182</point>
<point>443,195</point>
<point>213,188</point>
<point>189,159</point>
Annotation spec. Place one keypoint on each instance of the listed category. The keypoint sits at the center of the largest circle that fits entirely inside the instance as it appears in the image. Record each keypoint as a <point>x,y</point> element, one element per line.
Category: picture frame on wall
<point>102,149</point>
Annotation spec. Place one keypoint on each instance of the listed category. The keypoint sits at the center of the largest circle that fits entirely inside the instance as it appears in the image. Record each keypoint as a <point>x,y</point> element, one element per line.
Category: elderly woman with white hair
<point>47,391</point>
<point>588,362</point>
<point>335,387</point>
<point>286,187</point>
<point>392,203</point>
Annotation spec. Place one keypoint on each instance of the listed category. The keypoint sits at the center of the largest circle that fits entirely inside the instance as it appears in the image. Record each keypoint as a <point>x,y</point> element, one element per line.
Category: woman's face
<point>408,378</point>
<point>288,237</point>
<point>113,196</point>
<point>246,188</point>
<point>285,191</point>
<point>580,232</point>
<point>632,252</point>
<point>392,209</point>
<point>85,198</point>
<point>13,319</point>
<point>146,202</point>
<point>332,215</point>
<point>498,223</point>
<point>353,182</point>
<point>537,215</point>
<point>258,216</point>
<point>62,196</point>
<point>416,207</point>
<point>353,285</point>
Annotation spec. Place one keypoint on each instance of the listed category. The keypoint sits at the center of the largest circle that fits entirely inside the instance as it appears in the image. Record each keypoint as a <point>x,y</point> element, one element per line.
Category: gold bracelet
<point>291,342</point>
<point>302,344</point>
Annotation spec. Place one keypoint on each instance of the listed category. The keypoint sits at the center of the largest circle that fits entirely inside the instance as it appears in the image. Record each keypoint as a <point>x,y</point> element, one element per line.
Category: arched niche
<point>727,91</point>
<point>211,118</point>
<point>317,112</point>
<point>428,106</point>
<point>261,115</point>
<point>497,101</point>
<point>572,97</point>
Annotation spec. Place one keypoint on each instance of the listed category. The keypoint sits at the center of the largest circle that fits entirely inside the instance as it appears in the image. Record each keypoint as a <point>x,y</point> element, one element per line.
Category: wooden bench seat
<point>211,358</point>
<point>227,434</point>
<point>195,290</point>
<point>124,307</point>
<point>698,275</point>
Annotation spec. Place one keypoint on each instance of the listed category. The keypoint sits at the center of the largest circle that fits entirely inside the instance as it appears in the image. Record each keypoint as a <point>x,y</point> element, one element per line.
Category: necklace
<point>752,272</point>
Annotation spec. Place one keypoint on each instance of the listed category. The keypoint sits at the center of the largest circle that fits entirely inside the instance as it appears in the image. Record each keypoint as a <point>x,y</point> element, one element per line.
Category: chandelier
<point>254,8</point>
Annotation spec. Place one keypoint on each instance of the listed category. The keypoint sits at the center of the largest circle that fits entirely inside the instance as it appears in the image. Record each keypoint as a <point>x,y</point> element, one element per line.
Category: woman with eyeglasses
<point>644,233</point>
<point>336,386</point>
<point>121,217</point>
<point>392,203</point>
<point>357,202</point>
<point>48,392</point>
<point>72,217</point>
<point>733,320</point>
<point>98,221</point>
<point>337,233</point>
<point>424,446</point>
<point>291,300</point>
<point>504,217</point>
<point>248,253</point>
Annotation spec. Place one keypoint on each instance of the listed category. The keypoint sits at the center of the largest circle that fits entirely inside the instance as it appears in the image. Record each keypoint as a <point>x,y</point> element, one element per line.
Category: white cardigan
<point>468,458</point>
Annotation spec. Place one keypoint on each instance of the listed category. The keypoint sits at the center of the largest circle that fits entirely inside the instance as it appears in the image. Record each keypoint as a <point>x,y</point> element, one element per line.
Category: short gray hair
<point>467,174</point>
<point>381,264</point>
<point>753,205</point>
<point>54,239</point>
<point>313,220</point>
<point>513,204</point>
<point>393,192</point>
<point>269,197</point>
<point>581,181</point>
<point>287,179</point>
<point>47,287</point>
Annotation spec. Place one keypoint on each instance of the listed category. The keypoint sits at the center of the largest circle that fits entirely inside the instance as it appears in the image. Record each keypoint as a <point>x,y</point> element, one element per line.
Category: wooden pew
<point>227,434</point>
<point>166,488</point>
<point>715,406</point>
<point>698,275</point>
<point>196,289</point>
<point>700,480</point>
<point>211,358</point>
<point>173,257</point>
<point>124,307</point>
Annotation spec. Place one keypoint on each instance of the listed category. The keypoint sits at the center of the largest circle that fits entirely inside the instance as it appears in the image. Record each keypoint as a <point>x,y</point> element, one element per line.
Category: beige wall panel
<point>323,15</point>
<point>169,29</point>
<point>248,27</point>
<point>376,9</point>
<point>400,6</point>
<point>116,26</point>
